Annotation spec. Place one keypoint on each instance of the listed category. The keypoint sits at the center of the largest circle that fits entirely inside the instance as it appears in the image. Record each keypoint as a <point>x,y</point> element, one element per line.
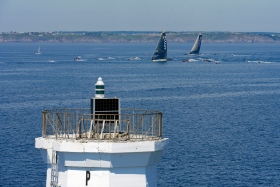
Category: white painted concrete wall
<point>111,164</point>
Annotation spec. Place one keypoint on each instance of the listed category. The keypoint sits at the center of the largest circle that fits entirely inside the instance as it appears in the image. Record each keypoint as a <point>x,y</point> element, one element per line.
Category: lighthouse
<point>101,146</point>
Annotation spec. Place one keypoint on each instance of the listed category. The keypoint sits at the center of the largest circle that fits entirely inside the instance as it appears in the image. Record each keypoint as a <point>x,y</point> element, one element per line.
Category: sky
<point>140,15</point>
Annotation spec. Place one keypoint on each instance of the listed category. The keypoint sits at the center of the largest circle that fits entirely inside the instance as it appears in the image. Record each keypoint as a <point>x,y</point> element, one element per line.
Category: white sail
<point>197,44</point>
<point>38,51</point>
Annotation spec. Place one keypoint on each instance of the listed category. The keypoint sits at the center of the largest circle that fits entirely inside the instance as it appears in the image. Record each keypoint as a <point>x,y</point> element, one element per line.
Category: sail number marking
<point>165,42</point>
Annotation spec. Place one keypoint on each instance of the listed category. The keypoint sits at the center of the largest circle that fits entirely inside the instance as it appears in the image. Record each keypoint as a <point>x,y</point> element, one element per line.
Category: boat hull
<point>160,60</point>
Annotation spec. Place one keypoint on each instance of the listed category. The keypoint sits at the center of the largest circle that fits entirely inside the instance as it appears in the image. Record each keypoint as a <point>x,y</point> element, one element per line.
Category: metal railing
<point>130,124</point>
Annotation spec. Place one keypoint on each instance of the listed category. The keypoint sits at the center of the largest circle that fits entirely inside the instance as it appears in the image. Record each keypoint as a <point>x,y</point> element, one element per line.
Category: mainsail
<point>160,53</point>
<point>197,44</point>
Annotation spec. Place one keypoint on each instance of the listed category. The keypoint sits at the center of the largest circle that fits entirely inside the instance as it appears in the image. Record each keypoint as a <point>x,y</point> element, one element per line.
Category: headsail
<point>160,53</point>
<point>197,44</point>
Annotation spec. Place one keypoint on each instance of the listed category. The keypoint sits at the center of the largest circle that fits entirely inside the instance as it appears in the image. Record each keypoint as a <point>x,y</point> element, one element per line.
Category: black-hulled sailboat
<point>196,46</point>
<point>160,53</point>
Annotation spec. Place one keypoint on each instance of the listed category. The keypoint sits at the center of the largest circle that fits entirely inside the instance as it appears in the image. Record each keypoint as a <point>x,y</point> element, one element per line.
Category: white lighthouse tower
<point>101,146</point>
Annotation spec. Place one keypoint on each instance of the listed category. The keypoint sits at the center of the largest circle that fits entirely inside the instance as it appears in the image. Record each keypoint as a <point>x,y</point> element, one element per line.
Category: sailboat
<point>196,46</point>
<point>38,53</point>
<point>160,53</point>
<point>77,59</point>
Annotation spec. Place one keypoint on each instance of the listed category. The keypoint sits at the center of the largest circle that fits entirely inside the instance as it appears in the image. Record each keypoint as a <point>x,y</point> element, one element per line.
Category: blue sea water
<point>222,119</point>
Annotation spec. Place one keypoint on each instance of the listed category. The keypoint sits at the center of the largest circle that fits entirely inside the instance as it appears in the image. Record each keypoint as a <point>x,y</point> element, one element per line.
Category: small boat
<point>248,61</point>
<point>217,62</point>
<point>39,52</point>
<point>196,46</point>
<point>78,58</point>
<point>160,53</point>
<point>52,61</point>
<point>168,59</point>
<point>192,60</point>
<point>209,60</point>
<point>137,58</point>
<point>101,59</point>
<point>185,60</point>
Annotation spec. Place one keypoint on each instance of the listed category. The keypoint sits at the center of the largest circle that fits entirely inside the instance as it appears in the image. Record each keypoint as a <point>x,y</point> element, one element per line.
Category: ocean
<point>222,120</point>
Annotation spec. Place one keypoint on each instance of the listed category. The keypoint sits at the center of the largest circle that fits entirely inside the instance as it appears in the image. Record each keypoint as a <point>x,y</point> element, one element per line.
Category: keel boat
<point>160,53</point>
<point>196,46</point>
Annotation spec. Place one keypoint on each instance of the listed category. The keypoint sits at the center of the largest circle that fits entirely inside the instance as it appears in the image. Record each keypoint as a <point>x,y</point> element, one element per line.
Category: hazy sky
<point>140,15</point>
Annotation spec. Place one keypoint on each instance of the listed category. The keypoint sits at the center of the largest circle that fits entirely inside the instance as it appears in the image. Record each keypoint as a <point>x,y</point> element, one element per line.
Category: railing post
<point>83,125</point>
<point>132,124</point>
<point>128,130</point>
<point>64,124</point>
<point>79,128</point>
<point>44,125</point>
<point>160,126</point>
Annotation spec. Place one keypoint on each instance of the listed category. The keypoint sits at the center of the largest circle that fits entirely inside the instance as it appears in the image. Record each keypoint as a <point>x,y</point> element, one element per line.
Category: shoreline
<point>137,38</point>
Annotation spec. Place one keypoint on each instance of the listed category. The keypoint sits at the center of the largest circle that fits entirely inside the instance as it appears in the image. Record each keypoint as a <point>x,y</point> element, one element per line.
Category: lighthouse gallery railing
<point>80,124</point>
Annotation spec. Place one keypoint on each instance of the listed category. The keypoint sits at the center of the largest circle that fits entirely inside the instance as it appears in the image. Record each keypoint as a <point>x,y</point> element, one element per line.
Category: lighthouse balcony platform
<point>123,125</point>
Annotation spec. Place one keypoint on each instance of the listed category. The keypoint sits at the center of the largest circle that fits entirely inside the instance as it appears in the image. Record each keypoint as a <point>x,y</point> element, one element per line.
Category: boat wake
<point>192,60</point>
<point>240,55</point>
<point>267,62</point>
<point>213,95</point>
<point>136,58</point>
<point>263,62</point>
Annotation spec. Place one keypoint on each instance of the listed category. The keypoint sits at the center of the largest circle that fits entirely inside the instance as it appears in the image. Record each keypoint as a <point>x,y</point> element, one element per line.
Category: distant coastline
<point>136,37</point>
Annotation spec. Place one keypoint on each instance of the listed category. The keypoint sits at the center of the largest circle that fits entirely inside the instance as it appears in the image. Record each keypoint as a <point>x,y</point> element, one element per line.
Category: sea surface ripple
<point>222,119</point>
